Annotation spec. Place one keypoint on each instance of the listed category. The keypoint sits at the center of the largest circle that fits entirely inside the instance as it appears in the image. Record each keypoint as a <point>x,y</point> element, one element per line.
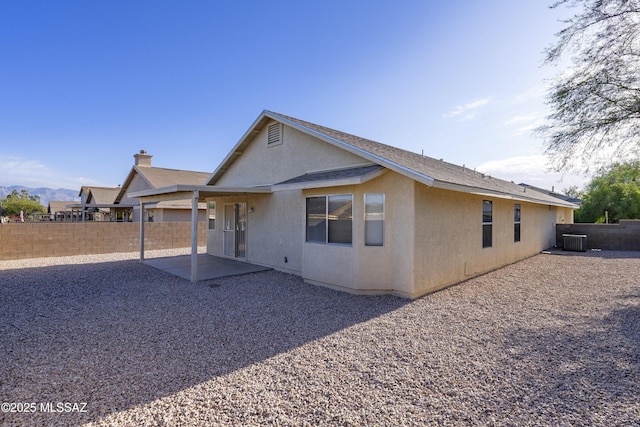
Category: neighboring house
<point>62,211</point>
<point>357,215</point>
<point>99,203</point>
<point>95,204</point>
<point>143,176</point>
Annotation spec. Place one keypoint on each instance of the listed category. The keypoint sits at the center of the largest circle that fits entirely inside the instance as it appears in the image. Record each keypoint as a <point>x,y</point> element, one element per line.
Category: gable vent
<point>274,133</point>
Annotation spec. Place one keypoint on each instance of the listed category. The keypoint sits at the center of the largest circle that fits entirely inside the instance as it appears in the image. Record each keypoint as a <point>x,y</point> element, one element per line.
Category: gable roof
<point>59,206</point>
<point>424,169</point>
<point>161,177</point>
<point>84,189</point>
<point>102,195</point>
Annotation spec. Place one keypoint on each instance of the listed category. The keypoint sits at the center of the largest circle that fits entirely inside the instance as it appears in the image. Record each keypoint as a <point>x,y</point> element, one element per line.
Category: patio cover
<point>196,193</point>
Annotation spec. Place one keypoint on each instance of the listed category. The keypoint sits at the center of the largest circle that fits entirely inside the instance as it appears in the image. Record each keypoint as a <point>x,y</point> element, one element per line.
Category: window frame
<point>517,220</point>
<point>326,220</point>
<point>368,221</point>
<point>487,224</point>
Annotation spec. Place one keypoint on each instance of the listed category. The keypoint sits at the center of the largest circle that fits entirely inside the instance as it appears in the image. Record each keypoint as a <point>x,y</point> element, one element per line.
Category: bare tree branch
<point>595,106</point>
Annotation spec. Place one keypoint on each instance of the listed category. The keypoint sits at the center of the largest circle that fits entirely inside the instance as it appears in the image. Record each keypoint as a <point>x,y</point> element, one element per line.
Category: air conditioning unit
<point>574,242</point>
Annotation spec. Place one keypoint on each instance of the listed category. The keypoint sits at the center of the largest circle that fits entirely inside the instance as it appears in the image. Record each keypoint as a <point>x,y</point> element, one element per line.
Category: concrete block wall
<point>624,236</point>
<point>36,240</point>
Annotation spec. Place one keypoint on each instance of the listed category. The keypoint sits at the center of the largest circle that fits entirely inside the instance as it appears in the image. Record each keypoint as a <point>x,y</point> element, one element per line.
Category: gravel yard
<point>105,340</point>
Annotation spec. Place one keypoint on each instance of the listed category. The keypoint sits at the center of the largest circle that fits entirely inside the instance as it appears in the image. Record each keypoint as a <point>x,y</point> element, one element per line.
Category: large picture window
<point>374,219</point>
<point>329,219</point>
<point>487,223</point>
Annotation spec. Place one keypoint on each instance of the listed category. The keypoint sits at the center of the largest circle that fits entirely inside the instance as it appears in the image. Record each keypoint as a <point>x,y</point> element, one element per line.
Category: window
<point>317,219</point>
<point>329,219</point>
<point>374,219</point>
<point>212,215</point>
<point>487,223</point>
<point>516,222</point>
<point>274,134</point>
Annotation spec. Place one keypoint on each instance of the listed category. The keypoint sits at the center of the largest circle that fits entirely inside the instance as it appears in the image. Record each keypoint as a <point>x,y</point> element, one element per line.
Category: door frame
<point>239,239</point>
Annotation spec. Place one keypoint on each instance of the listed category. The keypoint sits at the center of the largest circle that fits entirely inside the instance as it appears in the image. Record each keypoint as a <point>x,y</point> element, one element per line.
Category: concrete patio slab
<point>209,266</point>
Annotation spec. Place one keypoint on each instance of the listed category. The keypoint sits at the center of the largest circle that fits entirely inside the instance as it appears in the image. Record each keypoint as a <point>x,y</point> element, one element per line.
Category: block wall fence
<point>36,240</point>
<point>624,236</point>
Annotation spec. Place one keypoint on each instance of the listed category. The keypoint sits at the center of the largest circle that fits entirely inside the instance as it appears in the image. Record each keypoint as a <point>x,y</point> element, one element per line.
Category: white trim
<point>181,190</point>
<point>194,237</point>
<point>356,180</point>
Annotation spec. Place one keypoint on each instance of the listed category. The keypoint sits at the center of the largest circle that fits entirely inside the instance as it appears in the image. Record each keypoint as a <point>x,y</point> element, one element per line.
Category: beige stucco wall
<point>299,153</point>
<point>275,223</point>
<point>276,227</point>
<point>368,269</point>
<point>448,230</point>
<point>137,184</point>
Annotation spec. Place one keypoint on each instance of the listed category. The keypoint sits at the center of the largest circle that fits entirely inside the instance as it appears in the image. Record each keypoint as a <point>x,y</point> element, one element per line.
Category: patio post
<point>194,236</point>
<point>141,230</point>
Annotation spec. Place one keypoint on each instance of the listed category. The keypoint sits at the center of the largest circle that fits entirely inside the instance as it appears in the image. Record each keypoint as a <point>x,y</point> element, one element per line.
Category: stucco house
<point>61,210</point>
<point>95,203</point>
<point>360,216</point>
<point>143,176</point>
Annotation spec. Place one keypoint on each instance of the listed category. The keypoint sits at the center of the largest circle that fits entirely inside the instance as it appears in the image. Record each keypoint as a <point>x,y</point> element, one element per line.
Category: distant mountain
<point>46,194</point>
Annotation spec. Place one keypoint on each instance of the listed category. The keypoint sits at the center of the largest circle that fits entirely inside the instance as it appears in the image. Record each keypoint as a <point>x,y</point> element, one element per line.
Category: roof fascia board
<point>122,193</point>
<point>140,171</point>
<point>424,179</point>
<point>236,151</point>
<point>188,190</point>
<point>179,195</point>
<point>123,190</point>
<point>104,205</point>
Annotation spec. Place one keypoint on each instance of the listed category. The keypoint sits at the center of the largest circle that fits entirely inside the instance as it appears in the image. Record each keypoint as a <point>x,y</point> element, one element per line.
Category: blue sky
<point>84,85</point>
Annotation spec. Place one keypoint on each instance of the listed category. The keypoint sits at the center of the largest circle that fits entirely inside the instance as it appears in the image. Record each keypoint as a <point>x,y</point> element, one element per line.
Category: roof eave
<point>181,191</point>
<point>499,194</point>
<point>237,149</point>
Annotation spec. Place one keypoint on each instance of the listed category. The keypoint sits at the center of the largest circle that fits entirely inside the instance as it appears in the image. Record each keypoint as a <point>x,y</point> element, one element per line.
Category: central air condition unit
<point>574,242</point>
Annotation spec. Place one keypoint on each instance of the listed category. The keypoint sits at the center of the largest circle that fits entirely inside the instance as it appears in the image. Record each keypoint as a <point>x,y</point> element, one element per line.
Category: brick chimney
<point>143,159</point>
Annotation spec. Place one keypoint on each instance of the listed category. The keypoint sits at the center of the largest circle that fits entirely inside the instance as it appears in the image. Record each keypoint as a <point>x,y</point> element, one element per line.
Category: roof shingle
<point>439,170</point>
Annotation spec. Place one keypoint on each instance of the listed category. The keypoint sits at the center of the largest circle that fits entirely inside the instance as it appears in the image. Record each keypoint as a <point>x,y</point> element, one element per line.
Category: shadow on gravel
<point>579,368</point>
<point>117,335</point>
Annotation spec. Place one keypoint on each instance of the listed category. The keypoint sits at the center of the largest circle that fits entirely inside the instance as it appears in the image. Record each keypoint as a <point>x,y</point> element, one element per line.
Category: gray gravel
<point>552,340</point>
